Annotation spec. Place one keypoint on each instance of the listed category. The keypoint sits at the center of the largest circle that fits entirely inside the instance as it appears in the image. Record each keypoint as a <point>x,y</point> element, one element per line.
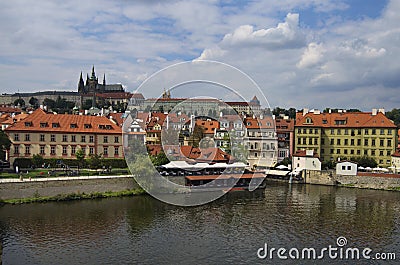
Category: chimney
<point>330,111</point>
<point>382,111</point>
<point>374,112</point>
<point>305,111</point>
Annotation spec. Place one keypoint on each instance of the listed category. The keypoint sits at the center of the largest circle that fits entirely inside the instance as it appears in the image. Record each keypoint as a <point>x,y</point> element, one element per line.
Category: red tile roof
<point>6,109</point>
<point>115,95</point>
<point>303,153</point>
<point>39,120</point>
<point>283,125</point>
<point>257,123</point>
<point>211,154</point>
<point>209,126</point>
<point>350,120</point>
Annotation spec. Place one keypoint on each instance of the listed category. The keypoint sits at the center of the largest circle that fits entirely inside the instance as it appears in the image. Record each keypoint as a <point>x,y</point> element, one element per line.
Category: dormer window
<point>88,126</point>
<point>324,121</point>
<point>55,125</point>
<point>309,120</point>
<point>28,124</point>
<point>73,125</point>
<point>43,124</point>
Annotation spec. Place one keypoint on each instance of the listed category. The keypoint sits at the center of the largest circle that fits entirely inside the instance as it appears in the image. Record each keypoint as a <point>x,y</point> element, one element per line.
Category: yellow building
<point>61,135</point>
<point>346,135</point>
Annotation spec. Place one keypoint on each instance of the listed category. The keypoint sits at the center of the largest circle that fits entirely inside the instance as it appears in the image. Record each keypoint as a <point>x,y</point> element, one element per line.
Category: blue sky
<point>302,53</point>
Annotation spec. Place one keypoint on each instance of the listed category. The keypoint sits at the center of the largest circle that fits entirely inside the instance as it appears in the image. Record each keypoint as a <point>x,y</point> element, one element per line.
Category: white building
<point>346,168</point>
<point>306,159</point>
<point>395,162</point>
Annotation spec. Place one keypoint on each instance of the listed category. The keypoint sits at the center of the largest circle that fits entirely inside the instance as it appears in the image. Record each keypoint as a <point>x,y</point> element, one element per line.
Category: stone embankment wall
<point>47,188</point>
<point>361,181</point>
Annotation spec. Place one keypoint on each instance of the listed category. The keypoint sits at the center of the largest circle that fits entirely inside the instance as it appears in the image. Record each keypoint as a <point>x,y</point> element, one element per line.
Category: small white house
<point>395,162</point>
<point>346,168</point>
<point>306,159</point>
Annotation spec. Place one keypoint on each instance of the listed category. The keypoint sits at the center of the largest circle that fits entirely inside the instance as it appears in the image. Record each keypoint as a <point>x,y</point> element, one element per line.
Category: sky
<point>300,53</point>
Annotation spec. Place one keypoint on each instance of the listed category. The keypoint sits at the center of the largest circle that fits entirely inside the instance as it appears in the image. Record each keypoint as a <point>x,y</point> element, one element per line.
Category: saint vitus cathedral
<point>92,85</point>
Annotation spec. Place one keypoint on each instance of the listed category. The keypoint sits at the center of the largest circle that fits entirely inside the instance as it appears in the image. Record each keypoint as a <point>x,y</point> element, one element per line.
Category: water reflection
<point>230,230</point>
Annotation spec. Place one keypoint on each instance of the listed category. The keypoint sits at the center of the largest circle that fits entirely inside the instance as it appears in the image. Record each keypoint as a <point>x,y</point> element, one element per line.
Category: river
<point>231,230</point>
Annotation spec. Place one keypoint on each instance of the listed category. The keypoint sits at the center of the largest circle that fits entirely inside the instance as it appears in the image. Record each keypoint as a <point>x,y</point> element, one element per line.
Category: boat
<point>213,176</point>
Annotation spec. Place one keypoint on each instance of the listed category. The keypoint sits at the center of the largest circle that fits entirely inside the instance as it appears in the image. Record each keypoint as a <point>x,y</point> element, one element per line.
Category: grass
<point>75,196</point>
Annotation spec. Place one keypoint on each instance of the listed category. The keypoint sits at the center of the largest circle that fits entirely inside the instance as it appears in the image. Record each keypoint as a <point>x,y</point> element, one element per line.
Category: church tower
<point>81,85</point>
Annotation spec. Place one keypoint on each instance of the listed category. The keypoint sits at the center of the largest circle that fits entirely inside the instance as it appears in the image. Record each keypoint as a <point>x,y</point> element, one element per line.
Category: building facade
<point>346,134</point>
<point>61,135</point>
<point>285,132</point>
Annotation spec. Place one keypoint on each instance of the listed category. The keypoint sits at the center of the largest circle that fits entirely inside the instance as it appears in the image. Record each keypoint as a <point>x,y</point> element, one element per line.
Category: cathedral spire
<point>81,84</point>
<point>104,79</point>
<point>93,73</point>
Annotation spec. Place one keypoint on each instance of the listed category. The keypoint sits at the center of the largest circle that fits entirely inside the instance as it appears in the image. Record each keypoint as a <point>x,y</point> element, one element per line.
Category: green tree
<point>80,156</point>
<point>5,144</point>
<point>197,135</point>
<point>19,101</point>
<point>37,160</point>
<point>286,162</point>
<point>95,161</point>
<point>34,102</point>
<point>51,104</point>
<point>160,159</point>
<point>394,115</point>
<point>365,161</point>
<point>87,104</point>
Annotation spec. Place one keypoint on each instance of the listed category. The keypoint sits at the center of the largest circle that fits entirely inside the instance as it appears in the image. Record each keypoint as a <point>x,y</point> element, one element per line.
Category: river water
<point>142,230</point>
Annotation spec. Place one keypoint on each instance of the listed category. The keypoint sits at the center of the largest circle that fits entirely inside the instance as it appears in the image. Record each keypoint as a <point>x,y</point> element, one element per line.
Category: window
<point>64,138</point>
<point>366,131</point>
<point>346,131</point>
<point>73,125</point>
<point>83,150</point>
<point>339,131</point>
<point>299,140</point>
<point>388,153</point>
<point>52,150</point>
<point>338,141</point>
<point>358,141</point>
<point>365,141</point>
<point>304,131</point>
<point>16,149</point>
<point>332,141</point>
<point>348,167</point>
<point>91,150</point>
<point>16,137</point>
<point>28,124</point>
<point>308,120</point>
<point>55,125</point>
<point>116,139</point>
<point>299,130</point>
<point>304,140</point>
<point>381,142</point>
<point>346,141</point>
<point>315,141</point>
<point>310,131</point>
<point>27,149</point>
<point>322,151</point>
<point>332,131</point>
<point>389,142</point>
<point>88,126</point>
<point>351,141</point>
<point>73,138</point>
<point>27,137</point>
<point>83,138</point>
<point>343,167</point>
<point>323,141</point>
<point>64,150</point>
<point>310,141</point>
<point>116,151</point>
<point>43,124</point>
<point>255,154</point>
<point>382,131</point>
<point>345,151</point>
<point>389,131</point>
<point>373,131</point>
<point>91,139</point>
<point>372,152</point>
<point>42,150</point>
<point>73,150</point>
<point>373,142</point>
<point>365,152</point>
<point>42,138</point>
<point>105,151</point>
<point>358,152</point>
<point>352,151</point>
<point>381,152</point>
<point>316,131</point>
<point>52,138</point>
<point>337,151</point>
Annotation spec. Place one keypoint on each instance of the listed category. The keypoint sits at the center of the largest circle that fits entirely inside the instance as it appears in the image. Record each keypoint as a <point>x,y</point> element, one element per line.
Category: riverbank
<point>75,196</point>
<point>66,188</point>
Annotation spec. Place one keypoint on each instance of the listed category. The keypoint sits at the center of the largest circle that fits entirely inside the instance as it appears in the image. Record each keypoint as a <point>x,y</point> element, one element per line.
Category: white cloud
<point>285,35</point>
<point>311,56</point>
